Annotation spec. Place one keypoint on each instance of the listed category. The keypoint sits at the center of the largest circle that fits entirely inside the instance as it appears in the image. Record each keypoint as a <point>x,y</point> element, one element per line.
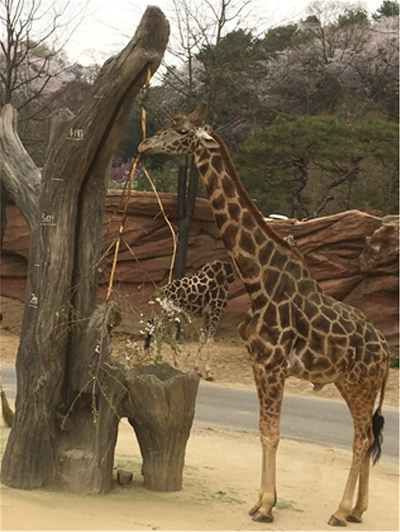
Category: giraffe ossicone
<point>204,293</point>
<point>293,327</point>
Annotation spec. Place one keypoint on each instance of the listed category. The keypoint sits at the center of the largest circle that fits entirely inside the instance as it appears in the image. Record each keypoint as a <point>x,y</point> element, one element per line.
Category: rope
<point>132,172</point>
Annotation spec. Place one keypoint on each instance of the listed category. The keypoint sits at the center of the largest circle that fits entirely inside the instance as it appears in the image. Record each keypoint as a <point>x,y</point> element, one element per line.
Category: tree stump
<point>160,407</point>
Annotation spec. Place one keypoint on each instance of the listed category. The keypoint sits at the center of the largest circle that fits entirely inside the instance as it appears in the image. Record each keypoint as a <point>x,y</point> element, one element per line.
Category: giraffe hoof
<point>259,517</point>
<point>210,379</point>
<point>334,521</point>
<point>254,510</point>
<point>353,519</point>
<point>199,374</point>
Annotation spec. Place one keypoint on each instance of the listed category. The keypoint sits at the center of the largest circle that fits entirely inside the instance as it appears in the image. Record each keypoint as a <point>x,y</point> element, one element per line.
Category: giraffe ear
<point>206,139</point>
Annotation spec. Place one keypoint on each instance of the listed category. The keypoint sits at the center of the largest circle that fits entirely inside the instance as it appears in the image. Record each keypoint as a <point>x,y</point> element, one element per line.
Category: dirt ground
<point>221,479</point>
<point>221,475</point>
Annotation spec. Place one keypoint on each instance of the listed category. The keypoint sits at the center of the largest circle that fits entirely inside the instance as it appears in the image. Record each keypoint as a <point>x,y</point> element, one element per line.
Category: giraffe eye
<point>183,131</point>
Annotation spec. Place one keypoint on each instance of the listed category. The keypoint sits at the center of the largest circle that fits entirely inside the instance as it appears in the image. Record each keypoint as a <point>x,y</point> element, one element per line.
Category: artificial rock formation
<point>354,256</point>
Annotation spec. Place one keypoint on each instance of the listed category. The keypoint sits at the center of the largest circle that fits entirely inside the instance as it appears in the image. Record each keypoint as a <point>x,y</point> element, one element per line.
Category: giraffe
<point>204,293</point>
<point>293,327</point>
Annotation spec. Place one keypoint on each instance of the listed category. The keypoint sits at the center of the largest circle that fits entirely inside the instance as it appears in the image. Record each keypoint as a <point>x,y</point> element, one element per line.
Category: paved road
<point>308,419</point>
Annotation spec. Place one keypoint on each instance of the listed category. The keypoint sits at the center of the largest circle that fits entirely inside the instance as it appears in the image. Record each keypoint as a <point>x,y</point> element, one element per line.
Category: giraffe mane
<point>248,201</point>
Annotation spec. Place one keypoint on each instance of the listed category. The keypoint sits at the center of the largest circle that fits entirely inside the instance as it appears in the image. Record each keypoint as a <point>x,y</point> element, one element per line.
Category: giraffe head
<point>181,136</point>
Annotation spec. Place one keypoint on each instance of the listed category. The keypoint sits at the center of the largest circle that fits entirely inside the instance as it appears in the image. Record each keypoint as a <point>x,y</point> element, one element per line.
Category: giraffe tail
<point>378,421</point>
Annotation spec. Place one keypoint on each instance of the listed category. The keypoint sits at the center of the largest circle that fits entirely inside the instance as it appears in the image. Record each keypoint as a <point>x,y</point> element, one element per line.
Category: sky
<point>109,24</point>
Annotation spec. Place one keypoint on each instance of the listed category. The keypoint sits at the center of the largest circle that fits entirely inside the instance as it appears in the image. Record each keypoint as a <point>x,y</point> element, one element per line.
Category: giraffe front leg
<point>262,510</point>
<point>270,392</point>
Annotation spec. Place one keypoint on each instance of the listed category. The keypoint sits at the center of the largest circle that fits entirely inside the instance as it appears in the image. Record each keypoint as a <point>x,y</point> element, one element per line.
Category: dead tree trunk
<point>3,215</point>
<point>65,213</point>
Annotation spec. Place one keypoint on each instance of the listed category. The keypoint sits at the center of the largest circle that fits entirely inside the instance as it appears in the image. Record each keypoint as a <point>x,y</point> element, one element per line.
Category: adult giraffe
<point>293,327</point>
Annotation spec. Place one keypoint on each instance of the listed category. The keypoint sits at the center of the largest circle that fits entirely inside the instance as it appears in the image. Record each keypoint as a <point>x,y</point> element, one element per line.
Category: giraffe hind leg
<point>209,348</point>
<point>340,517</point>
<point>361,505</point>
<point>355,516</point>
<point>211,321</point>
<point>360,401</point>
<point>359,470</point>
<point>202,341</point>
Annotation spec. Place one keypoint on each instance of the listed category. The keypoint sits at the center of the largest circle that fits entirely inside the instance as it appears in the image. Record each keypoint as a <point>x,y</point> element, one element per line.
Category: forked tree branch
<point>18,172</point>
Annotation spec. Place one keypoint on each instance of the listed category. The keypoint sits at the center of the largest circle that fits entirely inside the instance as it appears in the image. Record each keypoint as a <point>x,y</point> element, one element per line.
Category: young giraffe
<point>293,327</point>
<point>204,293</point>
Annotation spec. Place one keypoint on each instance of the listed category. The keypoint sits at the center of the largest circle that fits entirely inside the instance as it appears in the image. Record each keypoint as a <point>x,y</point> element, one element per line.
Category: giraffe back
<point>202,292</point>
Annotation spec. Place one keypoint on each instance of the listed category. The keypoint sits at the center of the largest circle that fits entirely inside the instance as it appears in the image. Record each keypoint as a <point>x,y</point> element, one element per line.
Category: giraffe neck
<point>260,255</point>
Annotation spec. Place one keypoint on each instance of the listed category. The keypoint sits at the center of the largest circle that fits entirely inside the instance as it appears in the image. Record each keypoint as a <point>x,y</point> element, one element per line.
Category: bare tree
<point>32,39</point>
<point>328,25</point>
<point>347,173</point>
<point>201,25</point>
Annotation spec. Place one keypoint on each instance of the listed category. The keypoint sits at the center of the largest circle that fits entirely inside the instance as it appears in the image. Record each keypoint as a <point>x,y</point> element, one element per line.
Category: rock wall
<point>354,256</point>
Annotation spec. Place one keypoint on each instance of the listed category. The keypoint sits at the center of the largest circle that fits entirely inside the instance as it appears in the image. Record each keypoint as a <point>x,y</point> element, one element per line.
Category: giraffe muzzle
<point>145,148</point>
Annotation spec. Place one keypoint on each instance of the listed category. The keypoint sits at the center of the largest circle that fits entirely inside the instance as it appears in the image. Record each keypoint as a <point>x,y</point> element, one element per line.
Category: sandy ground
<point>221,475</point>
<point>220,485</point>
